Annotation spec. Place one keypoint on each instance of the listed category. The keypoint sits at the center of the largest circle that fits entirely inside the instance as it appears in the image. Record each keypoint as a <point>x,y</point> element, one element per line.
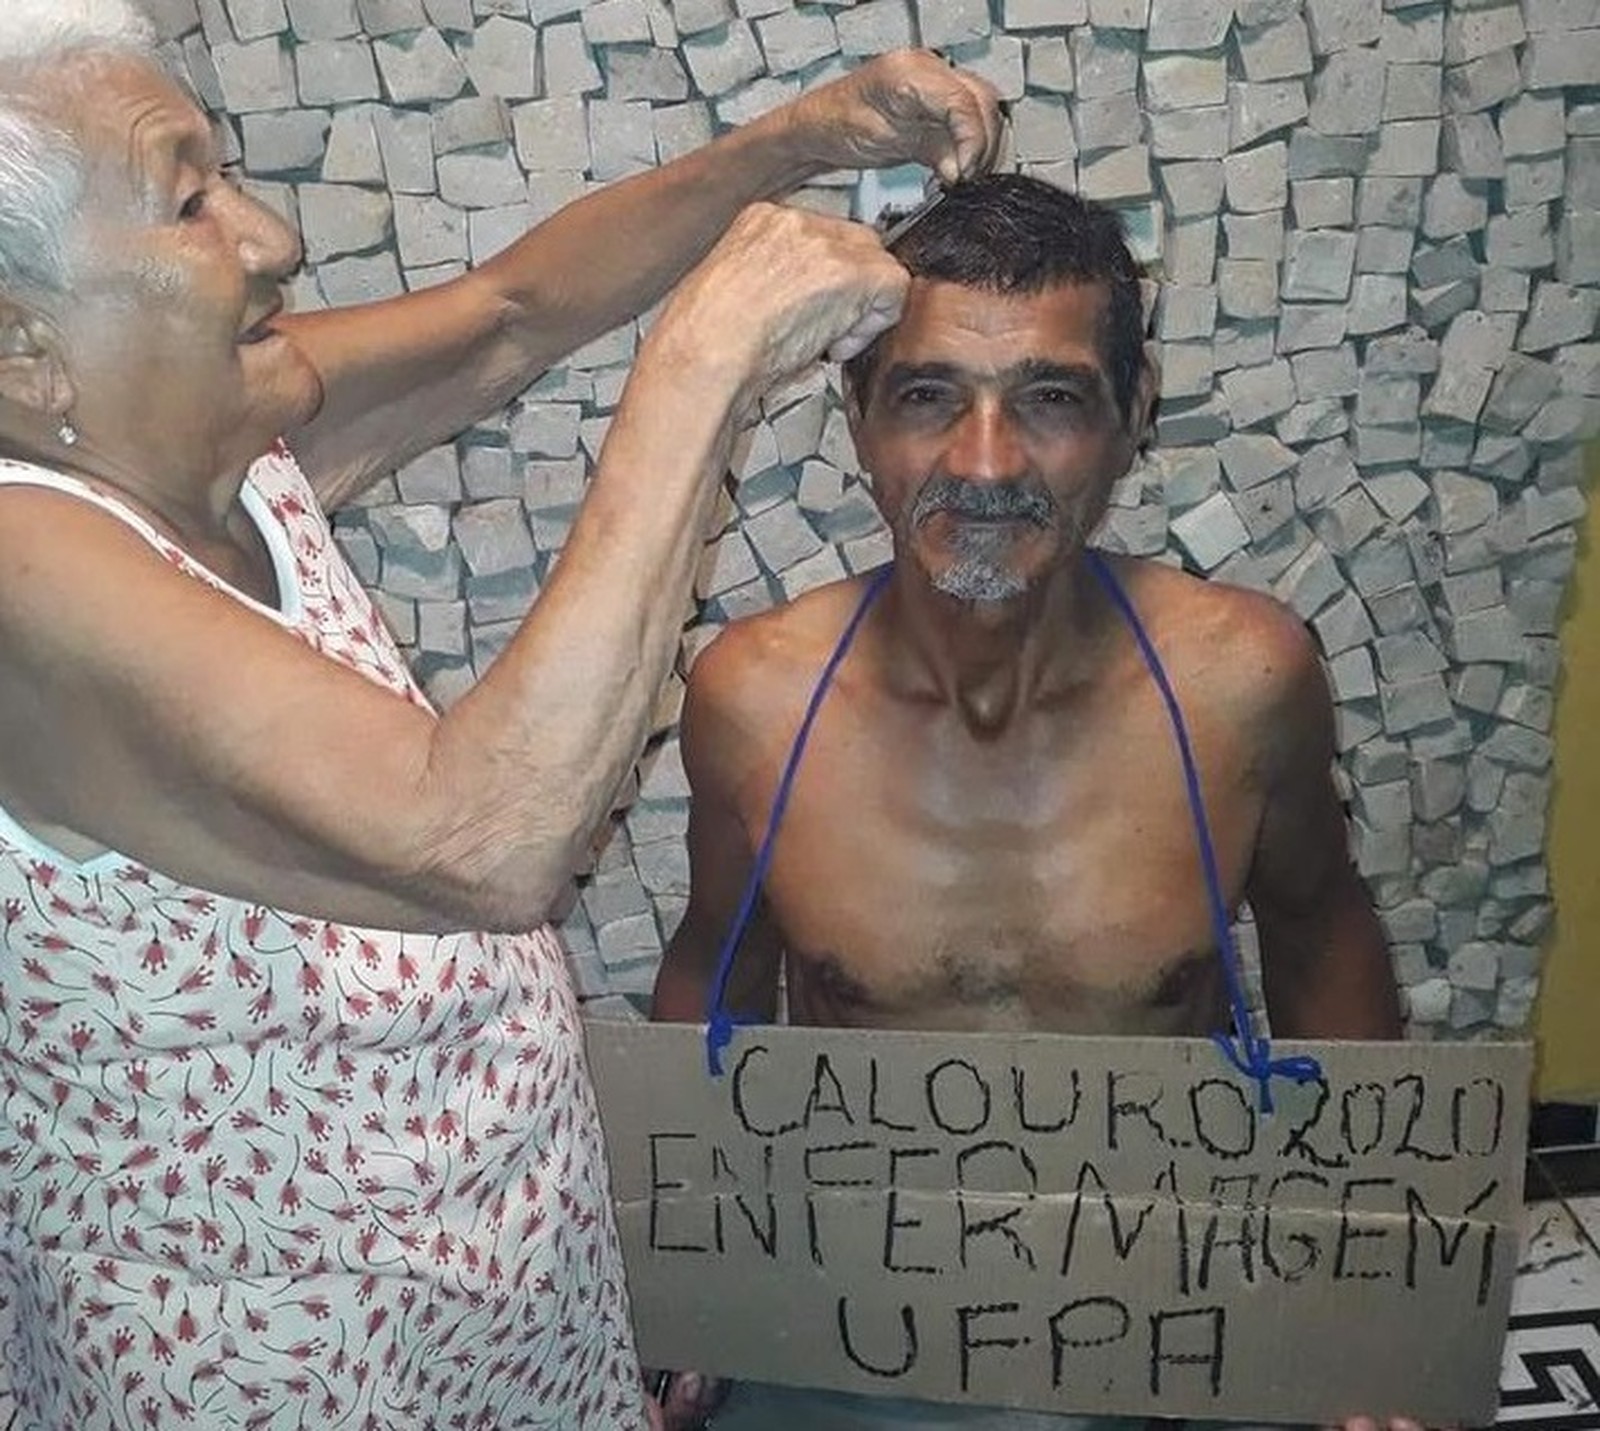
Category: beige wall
<point>1568,1024</point>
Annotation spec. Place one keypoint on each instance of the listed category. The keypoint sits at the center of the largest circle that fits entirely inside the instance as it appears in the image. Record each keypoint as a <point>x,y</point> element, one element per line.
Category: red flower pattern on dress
<point>265,1172</point>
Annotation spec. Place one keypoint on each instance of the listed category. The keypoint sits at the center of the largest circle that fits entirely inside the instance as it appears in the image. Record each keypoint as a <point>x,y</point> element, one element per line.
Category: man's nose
<point>986,446</point>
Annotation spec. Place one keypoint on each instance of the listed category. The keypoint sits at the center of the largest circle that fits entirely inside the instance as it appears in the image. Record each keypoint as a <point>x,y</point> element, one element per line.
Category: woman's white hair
<point>41,169</point>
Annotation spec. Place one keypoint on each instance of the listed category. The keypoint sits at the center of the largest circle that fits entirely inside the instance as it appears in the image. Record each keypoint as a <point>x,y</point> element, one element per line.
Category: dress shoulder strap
<point>29,474</point>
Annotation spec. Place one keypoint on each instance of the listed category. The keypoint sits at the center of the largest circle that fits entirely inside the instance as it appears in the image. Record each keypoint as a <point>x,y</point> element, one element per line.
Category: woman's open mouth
<point>262,328</point>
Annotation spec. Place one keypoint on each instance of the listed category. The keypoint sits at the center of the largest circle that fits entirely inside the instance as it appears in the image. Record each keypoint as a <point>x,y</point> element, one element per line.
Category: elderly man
<point>295,1128</point>
<point>991,824</point>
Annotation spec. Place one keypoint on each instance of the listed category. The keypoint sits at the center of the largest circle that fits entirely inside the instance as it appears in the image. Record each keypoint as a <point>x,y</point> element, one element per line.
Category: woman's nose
<point>267,245</point>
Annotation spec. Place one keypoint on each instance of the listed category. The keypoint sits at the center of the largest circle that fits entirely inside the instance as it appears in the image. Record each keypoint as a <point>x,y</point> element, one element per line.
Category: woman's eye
<point>195,204</point>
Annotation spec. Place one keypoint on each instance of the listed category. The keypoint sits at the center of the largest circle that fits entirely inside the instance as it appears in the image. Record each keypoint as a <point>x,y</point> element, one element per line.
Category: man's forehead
<point>944,321</point>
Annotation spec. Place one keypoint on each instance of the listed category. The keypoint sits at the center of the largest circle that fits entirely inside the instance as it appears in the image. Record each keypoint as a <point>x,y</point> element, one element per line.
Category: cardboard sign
<point>1071,1224</point>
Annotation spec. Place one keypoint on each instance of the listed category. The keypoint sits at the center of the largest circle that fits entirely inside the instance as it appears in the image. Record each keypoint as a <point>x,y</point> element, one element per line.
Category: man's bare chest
<point>1016,885</point>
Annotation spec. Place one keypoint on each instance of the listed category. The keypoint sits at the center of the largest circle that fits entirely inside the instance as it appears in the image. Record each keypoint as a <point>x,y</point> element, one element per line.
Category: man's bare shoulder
<point>789,644</point>
<point>1242,647</point>
<point>755,677</point>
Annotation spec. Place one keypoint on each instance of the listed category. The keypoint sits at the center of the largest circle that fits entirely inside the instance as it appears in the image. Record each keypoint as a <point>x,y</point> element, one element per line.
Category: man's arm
<point>1324,960</point>
<point>146,712</point>
<point>720,860</point>
<point>402,375</point>
<point>1325,964</point>
<point>715,758</point>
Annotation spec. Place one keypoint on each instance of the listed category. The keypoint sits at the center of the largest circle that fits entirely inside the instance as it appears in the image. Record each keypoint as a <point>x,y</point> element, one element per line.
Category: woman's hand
<point>783,287</point>
<point>901,107</point>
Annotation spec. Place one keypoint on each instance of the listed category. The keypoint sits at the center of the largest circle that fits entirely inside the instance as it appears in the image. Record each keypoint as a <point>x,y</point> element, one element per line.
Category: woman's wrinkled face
<point>176,279</point>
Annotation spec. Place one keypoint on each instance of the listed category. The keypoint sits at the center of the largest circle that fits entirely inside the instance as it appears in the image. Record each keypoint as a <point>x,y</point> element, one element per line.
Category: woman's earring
<point>67,434</point>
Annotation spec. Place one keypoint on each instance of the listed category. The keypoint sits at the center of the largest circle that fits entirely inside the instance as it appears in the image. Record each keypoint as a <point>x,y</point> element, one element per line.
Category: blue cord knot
<point>720,1028</point>
<point>1258,1065</point>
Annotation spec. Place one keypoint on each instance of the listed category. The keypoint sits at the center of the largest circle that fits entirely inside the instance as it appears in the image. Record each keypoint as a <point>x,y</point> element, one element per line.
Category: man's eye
<point>193,206</point>
<point>921,395</point>
<point>1054,396</point>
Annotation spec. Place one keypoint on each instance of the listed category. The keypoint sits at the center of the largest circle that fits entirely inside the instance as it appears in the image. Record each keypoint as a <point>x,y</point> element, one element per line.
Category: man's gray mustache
<point>993,501</point>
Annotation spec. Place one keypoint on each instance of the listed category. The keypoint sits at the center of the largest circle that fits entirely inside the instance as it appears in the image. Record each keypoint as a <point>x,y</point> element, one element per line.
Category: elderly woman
<point>295,1128</point>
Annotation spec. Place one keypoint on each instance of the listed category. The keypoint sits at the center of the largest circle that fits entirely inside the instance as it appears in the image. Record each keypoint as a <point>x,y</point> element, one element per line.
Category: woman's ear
<point>32,374</point>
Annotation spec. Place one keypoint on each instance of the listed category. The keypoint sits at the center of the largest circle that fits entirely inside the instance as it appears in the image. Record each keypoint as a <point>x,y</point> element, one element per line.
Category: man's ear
<point>854,398</point>
<point>32,374</point>
<point>1142,418</point>
<point>855,385</point>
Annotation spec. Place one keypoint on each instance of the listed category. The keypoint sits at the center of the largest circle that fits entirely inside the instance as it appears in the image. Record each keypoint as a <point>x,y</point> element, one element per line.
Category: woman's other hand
<point>903,107</point>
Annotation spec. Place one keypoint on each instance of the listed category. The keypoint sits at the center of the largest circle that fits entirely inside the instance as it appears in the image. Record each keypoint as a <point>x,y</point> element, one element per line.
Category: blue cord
<point>1253,1054</point>
<point>720,1023</point>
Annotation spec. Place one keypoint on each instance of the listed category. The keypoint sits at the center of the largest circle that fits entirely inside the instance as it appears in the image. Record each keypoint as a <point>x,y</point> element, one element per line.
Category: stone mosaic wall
<point>1378,222</point>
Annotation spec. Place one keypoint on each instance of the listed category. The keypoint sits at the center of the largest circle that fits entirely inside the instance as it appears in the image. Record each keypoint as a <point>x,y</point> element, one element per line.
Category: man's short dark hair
<point>1014,234</point>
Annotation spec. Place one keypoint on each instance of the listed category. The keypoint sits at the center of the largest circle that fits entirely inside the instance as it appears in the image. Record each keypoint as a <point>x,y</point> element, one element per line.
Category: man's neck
<point>995,660</point>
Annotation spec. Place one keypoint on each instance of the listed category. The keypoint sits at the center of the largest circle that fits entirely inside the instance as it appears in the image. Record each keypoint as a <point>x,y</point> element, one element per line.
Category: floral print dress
<point>263,1171</point>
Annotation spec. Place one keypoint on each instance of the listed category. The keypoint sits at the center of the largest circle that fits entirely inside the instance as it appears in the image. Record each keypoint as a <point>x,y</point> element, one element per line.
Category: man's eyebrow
<point>1040,370</point>
<point>900,373</point>
<point>1028,370</point>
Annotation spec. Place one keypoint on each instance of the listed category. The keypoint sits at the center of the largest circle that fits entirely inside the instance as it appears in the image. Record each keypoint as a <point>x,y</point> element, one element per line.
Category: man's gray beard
<point>979,572</point>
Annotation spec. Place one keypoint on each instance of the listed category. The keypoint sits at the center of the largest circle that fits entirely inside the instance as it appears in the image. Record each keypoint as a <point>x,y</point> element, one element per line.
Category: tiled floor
<point>1550,1377</point>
